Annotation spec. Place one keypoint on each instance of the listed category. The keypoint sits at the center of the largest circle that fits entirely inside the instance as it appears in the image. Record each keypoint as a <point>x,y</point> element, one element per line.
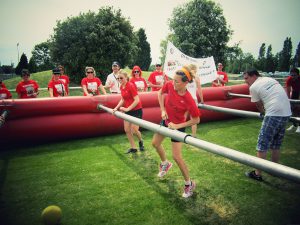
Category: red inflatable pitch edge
<point>50,119</point>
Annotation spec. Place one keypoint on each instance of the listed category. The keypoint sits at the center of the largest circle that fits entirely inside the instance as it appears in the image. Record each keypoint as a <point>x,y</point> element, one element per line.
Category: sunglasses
<point>136,71</point>
<point>90,72</point>
<point>120,78</point>
<point>158,65</point>
<point>23,75</point>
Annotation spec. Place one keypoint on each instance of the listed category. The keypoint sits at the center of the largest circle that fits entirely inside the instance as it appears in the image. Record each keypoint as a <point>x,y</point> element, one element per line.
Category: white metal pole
<point>267,166</point>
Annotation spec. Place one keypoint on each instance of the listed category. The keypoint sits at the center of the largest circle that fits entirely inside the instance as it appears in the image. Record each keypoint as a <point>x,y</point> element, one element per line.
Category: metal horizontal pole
<point>265,165</point>
<point>237,112</point>
<point>294,101</point>
<point>4,114</point>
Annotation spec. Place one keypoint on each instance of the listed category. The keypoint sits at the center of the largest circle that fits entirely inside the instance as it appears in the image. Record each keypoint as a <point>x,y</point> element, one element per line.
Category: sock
<point>188,182</point>
<point>164,162</point>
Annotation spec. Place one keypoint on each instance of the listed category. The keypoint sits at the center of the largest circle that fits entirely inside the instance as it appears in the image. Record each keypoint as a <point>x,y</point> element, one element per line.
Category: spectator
<point>4,92</point>
<point>27,88</point>
<point>194,87</point>
<point>111,81</point>
<point>131,105</point>
<point>175,102</point>
<point>137,79</point>
<point>63,77</point>
<point>91,84</point>
<point>157,78</point>
<point>222,77</point>
<point>57,87</point>
<point>272,101</point>
<point>293,92</point>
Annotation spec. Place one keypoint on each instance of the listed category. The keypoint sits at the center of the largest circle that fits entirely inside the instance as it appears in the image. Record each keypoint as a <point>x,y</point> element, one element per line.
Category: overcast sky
<point>30,22</point>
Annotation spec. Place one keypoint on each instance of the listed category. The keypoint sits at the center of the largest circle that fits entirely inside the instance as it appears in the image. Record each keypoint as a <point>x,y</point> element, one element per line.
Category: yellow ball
<point>51,215</point>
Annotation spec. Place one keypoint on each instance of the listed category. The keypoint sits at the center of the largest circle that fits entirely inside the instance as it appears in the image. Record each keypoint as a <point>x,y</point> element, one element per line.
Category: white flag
<point>175,59</point>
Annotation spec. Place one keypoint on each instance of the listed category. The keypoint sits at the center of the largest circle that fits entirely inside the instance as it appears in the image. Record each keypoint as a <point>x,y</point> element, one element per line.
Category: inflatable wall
<point>51,119</point>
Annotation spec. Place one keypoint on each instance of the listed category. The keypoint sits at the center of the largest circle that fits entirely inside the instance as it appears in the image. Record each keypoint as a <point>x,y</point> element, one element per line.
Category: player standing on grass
<point>176,103</point>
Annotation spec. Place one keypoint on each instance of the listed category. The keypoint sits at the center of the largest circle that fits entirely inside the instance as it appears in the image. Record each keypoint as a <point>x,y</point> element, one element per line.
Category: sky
<point>253,22</point>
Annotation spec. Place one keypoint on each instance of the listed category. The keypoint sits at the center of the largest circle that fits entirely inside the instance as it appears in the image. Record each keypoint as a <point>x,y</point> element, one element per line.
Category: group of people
<point>178,103</point>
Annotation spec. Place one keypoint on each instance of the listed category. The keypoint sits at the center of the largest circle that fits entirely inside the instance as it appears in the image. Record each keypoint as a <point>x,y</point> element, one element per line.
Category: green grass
<point>94,182</point>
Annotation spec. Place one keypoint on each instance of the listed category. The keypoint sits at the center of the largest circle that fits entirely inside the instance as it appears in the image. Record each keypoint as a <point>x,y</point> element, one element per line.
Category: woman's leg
<point>127,128</point>
<point>156,143</point>
<point>177,156</point>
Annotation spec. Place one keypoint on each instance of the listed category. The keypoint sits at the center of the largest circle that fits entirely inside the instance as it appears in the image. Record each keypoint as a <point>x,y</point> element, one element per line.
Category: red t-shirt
<point>59,88</point>
<point>223,75</point>
<point>4,93</point>
<point>3,85</point>
<point>140,83</point>
<point>27,89</point>
<point>92,85</point>
<point>64,78</point>
<point>128,93</point>
<point>157,78</point>
<point>294,83</point>
<point>177,105</point>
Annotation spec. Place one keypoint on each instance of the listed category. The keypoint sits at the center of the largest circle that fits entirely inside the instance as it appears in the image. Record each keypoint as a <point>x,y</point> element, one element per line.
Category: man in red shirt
<point>27,88</point>
<point>293,92</point>
<point>157,78</point>
<point>222,77</point>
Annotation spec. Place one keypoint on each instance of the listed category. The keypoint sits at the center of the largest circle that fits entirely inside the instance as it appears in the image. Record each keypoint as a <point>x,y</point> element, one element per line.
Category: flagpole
<point>18,52</point>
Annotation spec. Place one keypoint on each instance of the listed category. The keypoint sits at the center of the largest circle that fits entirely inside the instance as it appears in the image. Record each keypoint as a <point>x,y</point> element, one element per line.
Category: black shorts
<point>136,113</point>
<point>163,123</point>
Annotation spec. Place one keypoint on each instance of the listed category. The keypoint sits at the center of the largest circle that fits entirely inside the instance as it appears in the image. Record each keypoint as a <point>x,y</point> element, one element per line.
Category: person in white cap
<point>111,81</point>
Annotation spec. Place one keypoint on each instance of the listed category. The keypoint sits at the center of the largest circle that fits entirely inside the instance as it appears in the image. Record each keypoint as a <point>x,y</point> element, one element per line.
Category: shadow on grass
<point>195,209</point>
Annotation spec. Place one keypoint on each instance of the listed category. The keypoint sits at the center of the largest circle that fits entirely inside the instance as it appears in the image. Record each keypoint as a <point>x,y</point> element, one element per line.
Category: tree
<point>200,30</point>
<point>32,65</point>
<point>23,64</point>
<point>270,62</point>
<point>143,55</point>
<point>92,39</point>
<point>260,63</point>
<point>41,58</point>
<point>285,55</point>
<point>297,56</point>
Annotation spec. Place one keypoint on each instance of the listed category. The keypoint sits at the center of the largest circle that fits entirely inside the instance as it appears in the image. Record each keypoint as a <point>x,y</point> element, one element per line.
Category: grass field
<point>94,182</point>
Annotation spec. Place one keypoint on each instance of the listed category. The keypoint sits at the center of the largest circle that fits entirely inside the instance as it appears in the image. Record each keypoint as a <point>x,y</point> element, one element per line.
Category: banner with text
<point>175,59</point>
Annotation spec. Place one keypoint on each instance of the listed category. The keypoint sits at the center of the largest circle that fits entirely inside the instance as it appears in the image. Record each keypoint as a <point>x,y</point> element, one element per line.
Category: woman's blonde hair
<point>90,68</point>
<point>188,72</point>
<point>124,73</point>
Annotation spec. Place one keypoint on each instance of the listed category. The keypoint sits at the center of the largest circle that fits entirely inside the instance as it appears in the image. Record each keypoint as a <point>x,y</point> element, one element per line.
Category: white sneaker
<point>298,129</point>
<point>188,190</point>
<point>291,128</point>
<point>163,169</point>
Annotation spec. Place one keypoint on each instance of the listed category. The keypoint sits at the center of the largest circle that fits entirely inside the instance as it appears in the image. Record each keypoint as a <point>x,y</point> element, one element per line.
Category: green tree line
<point>198,28</point>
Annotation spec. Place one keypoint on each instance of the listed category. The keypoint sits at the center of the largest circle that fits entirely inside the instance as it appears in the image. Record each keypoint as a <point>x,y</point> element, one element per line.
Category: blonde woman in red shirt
<point>91,84</point>
<point>130,104</point>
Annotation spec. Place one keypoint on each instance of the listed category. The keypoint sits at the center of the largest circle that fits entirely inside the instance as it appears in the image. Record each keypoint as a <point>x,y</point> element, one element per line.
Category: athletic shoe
<point>188,190</point>
<point>131,150</point>
<point>291,128</point>
<point>253,175</point>
<point>163,169</point>
<point>141,145</point>
<point>298,129</point>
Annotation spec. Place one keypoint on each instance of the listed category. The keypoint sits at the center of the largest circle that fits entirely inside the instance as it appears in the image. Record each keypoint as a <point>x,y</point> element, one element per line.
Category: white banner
<point>175,59</point>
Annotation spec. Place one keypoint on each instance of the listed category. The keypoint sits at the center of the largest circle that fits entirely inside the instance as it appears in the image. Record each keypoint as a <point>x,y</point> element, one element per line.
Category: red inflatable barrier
<point>47,119</point>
